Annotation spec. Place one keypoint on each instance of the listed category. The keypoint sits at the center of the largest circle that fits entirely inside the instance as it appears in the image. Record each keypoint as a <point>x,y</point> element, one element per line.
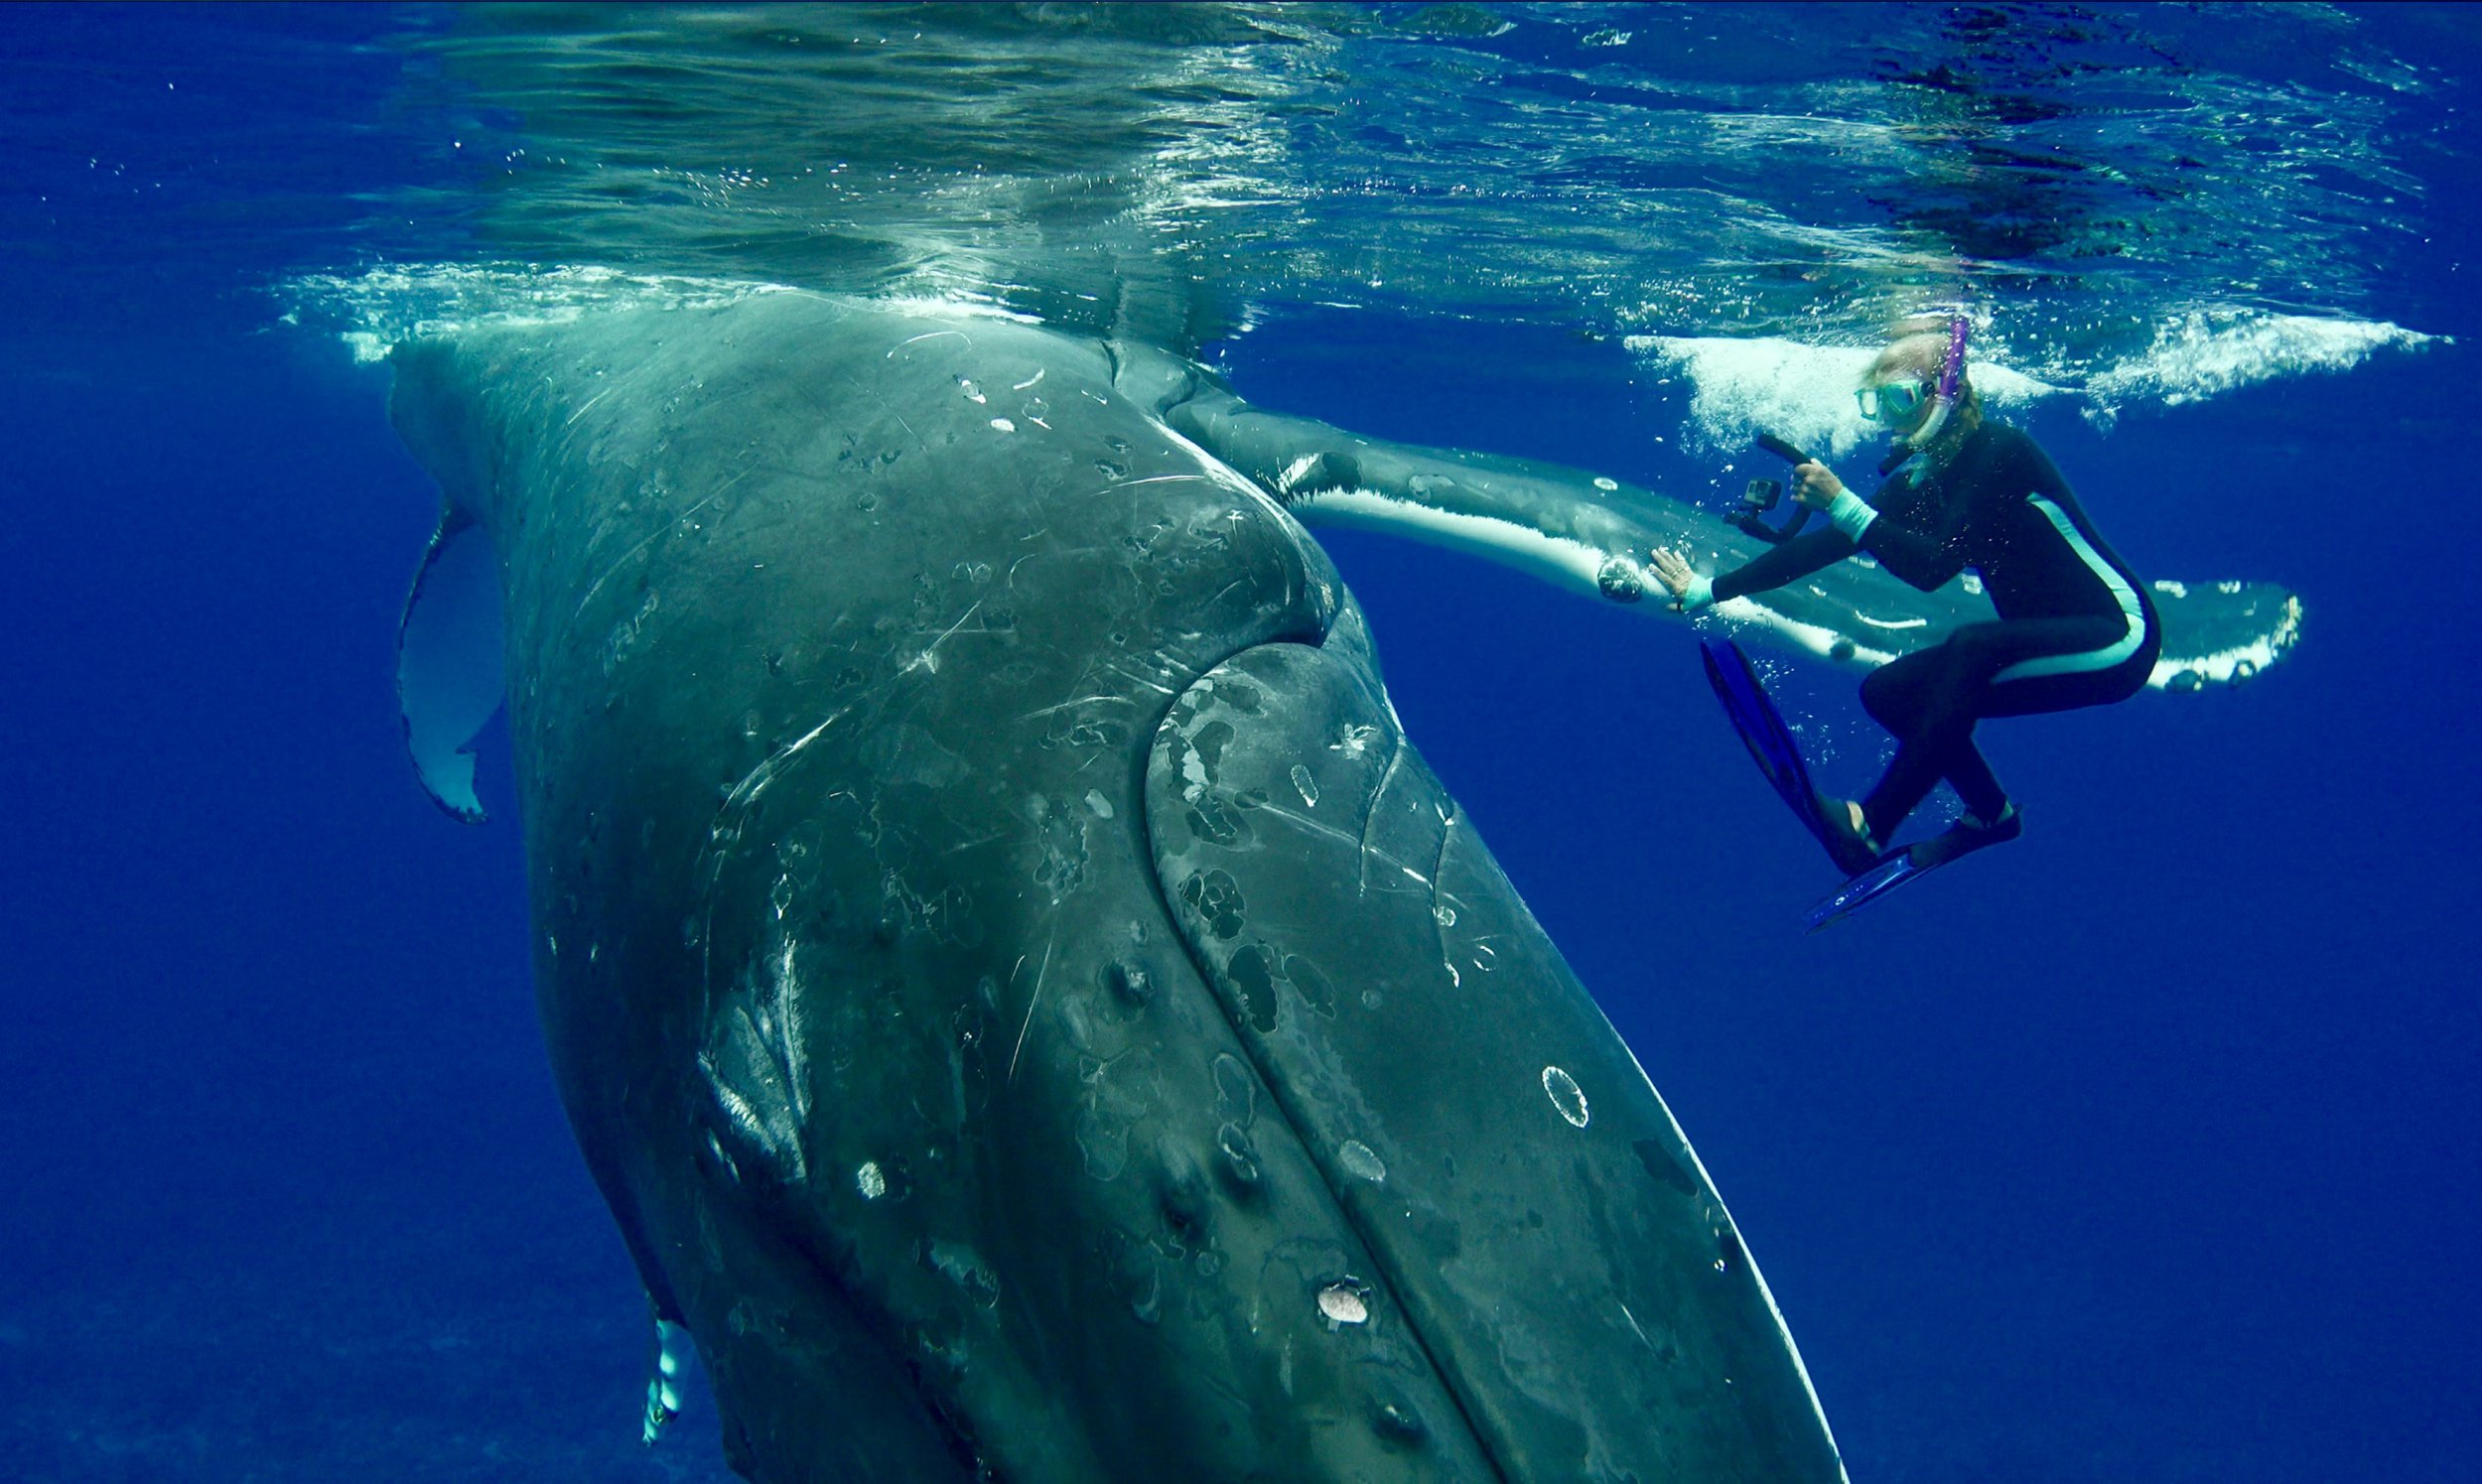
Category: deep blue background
<point>2143,1149</point>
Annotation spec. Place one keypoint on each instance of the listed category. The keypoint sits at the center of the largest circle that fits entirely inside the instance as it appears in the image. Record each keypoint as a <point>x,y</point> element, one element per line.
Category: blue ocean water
<point>2140,1150</point>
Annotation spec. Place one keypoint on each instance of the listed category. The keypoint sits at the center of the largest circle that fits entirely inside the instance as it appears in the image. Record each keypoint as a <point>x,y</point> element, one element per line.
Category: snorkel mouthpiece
<point>1951,372</point>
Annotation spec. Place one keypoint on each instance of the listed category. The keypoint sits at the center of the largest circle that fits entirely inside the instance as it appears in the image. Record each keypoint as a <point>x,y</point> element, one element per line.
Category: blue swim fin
<point>1952,843</point>
<point>1865,888</point>
<point>1770,742</point>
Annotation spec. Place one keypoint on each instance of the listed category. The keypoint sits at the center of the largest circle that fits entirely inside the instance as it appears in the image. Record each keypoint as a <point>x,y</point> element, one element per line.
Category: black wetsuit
<point>2075,626</point>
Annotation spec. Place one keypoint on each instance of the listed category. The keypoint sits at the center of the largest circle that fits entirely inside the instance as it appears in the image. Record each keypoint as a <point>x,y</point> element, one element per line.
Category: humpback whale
<point>1030,1010</point>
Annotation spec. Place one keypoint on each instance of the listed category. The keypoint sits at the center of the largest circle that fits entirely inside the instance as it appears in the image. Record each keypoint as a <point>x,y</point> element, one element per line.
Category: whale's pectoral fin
<point>1516,1178</point>
<point>448,659</point>
<point>2222,634</point>
<point>1589,534</point>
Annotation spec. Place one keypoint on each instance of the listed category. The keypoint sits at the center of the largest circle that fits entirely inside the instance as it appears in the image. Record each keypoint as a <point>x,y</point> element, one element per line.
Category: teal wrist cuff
<point>1851,513</point>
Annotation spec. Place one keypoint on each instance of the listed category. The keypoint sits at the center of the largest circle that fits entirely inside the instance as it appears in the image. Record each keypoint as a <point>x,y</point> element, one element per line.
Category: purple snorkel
<point>1951,372</point>
<point>1958,330</point>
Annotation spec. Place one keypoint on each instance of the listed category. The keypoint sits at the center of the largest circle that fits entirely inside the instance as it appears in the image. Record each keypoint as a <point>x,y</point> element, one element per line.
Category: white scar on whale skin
<point>927,335</point>
<point>929,658</point>
<point>1032,1001</point>
<point>745,793</point>
<point>656,535</point>
<point>1224,474</point>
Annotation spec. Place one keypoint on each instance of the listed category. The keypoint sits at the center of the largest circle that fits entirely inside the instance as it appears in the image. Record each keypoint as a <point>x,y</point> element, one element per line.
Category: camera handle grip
<point>1780,449</point>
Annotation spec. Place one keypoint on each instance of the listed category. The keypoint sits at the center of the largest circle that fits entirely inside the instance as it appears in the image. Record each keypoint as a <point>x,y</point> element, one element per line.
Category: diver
<point>2075,626</point>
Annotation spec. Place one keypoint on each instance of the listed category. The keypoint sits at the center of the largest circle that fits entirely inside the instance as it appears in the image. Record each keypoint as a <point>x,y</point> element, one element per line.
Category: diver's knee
<point>1883,697</point>
<point>1977,647</point>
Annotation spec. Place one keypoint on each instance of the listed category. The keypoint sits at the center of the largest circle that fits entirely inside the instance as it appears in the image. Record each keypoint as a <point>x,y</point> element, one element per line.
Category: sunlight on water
<point>2145,206</point>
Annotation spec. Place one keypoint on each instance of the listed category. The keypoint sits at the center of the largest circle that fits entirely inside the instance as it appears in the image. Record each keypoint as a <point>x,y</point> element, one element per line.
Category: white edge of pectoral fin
<point>448,660</point>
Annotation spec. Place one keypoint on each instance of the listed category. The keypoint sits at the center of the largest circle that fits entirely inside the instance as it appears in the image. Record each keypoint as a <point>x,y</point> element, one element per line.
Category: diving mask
<point>1892,405</point>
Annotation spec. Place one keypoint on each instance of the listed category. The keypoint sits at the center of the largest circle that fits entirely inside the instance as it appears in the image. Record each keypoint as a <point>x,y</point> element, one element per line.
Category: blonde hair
<point>1920,356</point>
<point>1923,357</point>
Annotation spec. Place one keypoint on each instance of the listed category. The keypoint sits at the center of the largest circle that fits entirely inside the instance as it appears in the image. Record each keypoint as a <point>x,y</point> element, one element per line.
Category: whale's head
<point>1031,1012</point>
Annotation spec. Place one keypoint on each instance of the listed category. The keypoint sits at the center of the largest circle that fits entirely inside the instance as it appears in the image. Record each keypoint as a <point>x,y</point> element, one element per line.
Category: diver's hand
<point>1816,485</point>
<point>1690,592</point>
<point>1673,570</point>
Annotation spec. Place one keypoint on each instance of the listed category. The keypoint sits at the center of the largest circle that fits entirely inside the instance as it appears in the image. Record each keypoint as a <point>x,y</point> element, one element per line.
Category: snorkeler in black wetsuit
<point>2075,626</point>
